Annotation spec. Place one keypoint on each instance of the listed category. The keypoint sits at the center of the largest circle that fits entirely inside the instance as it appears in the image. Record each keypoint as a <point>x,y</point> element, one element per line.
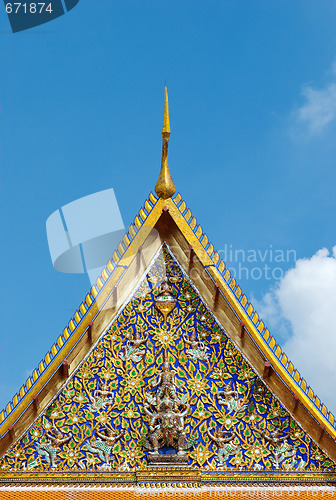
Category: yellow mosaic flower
<point>238,460</point>
<point>55,411</point>
<point>16,455</point>
<point>257,451</point>
<point>131,411</point>
<point>103,418</point>
<point>81,398</point>
<point>276,411</point>
<point>36,431</point>
<point>316,453</point>
<point>71,454</point>
<point>245,372</point>
<point>132,454</point>
<point>220,373</point>
<point>91,460</point>
<point>107,374</point>
<point>230,350</point>
<point>113,335</point>
<point>201,412</point>
<point>141,305</point>
<point>84,372</point>
<point>198,385</point>
<point>99,355</point>
<point>216,337</point>
<point>297,434</point>
<point>164,338</point>
<point>228,421</point>
<point>74,417</point>
<point>252,419</point>
<point>201,454</point>
<point>187,306</point>
<point>132,382</point>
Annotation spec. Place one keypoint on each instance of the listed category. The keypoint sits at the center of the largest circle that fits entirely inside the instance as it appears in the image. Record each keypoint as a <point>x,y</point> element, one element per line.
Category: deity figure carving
<point>101,397</point>
<point>134,347</point>
<point>230,398</point>
<point>165,299</point>
<point>274,437</point>
<point>105,442</point>
<point>167,413</point>
<point>51,447</point>
<point>197,349</point>
<point>282,449</point>
<point>165,385</point>
<point>226,447</point>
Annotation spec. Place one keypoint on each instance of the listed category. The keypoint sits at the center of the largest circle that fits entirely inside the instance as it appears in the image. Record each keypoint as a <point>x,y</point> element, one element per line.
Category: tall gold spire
<point>166,123</point>
<point>165,187</point>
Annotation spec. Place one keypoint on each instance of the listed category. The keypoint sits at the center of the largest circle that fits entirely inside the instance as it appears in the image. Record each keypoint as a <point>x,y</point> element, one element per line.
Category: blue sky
<point>252,93</point>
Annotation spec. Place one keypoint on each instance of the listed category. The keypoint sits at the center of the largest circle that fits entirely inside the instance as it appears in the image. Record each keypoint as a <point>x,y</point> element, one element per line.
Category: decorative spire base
<point>165,187</point>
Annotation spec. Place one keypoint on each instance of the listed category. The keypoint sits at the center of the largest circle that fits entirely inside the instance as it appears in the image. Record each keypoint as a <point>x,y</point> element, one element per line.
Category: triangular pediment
<point>165,376</point>
<point>122,409</point>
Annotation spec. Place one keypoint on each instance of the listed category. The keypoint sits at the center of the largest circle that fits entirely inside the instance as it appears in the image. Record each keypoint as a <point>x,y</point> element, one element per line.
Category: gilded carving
<point>167,427</point>
<point>167,412</point>
<point>53,444</point>
<point>144,388</point>
<point>165,300</point>
<point>105,442</point>
<point>101,397</point>
<point>226,446</point>
<point>230,398</point>
<point>134,347</point>
<point>196,348</point>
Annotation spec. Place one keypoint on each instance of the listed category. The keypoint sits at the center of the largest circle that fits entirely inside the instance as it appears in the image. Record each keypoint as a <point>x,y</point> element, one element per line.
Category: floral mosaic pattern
<point>98,422</point>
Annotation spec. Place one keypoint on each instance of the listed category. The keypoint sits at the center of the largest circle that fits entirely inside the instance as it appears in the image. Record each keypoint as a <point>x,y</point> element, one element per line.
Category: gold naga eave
<point>241,411</point>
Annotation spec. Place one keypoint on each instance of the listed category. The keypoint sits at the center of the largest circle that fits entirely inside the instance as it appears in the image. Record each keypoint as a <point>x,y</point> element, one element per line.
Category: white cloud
<point>302,308</point>
<point>319,107</point>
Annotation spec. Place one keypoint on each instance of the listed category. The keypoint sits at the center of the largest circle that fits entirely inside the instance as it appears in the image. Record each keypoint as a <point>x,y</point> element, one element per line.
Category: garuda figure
<point>105,442</point>
<point>134,349</point>
<point>225,444</point>
<point>167,413</point>
<point>230,398</point>
<point>166,426</point>
<point>52,446</point>
<point>101,397</point>
<point>197,349</point>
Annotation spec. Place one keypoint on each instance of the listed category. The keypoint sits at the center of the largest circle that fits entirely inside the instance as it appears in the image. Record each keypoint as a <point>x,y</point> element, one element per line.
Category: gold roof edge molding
<point>82,317</point>
<point>246,313</point>
<point>164,477</point>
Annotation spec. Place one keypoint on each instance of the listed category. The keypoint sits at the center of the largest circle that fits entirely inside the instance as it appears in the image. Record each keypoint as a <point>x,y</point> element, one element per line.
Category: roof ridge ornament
<point>165,187</point>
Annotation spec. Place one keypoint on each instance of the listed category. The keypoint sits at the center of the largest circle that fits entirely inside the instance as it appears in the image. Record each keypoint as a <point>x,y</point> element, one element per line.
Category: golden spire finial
<point>165,187</point>
<point>166,124</point>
